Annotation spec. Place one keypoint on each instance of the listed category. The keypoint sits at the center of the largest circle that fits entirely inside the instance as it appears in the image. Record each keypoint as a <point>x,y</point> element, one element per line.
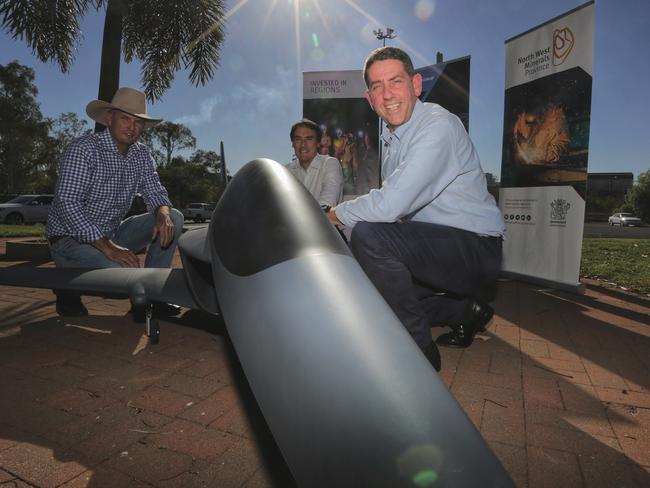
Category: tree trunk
<point>109,75</point>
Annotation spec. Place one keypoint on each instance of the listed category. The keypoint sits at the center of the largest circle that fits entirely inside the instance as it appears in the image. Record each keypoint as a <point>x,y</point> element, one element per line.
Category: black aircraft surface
<point>347,394</point>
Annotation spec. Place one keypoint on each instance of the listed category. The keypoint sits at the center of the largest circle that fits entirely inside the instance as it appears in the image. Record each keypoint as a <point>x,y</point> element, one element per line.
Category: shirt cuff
<point>158,201</point>
<point>343,215</point>
<point>91,234</point>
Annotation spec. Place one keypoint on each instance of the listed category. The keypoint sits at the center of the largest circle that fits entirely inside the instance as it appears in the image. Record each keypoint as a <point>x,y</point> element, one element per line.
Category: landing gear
<point>152,327</point>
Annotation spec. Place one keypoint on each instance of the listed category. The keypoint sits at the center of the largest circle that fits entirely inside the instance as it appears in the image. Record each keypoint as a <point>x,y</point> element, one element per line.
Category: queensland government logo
<point>559,209</point>
<point>563,41</point>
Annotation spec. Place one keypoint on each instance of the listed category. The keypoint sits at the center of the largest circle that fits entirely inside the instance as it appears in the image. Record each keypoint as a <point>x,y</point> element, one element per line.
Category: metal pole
<point>390,34</point>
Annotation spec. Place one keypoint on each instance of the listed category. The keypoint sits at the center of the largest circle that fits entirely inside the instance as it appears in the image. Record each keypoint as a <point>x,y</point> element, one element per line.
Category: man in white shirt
<point>319,173</point>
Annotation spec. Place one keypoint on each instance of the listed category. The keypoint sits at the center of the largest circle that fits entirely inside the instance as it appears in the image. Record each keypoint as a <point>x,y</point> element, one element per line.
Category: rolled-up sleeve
<point>153,192</point>
<point>73,185</point>
<point>332,186</point>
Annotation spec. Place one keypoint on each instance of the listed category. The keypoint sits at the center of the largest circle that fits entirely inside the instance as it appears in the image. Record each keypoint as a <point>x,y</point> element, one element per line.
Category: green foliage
<point>24,139</point>
<point>601,203</point>
<point>166,138</point>
<point>625,262</point>
<point>37,230</point>
<point>637,199</point>
<point>193,180</point>
<point>165,35</point>
<point>65,128</point>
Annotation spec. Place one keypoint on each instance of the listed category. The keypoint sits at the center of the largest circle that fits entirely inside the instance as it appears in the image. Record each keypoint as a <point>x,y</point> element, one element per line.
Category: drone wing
<point>139,284</point>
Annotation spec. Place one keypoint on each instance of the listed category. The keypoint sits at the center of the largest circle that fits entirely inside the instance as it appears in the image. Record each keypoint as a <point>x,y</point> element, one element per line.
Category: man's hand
<point>121,255</point>
<point>333,218</point>
<point>163,228</point>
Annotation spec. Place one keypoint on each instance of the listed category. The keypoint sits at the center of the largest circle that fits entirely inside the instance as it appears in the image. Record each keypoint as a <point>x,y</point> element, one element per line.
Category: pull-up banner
<point>336,101</point>
<point>546,146</point>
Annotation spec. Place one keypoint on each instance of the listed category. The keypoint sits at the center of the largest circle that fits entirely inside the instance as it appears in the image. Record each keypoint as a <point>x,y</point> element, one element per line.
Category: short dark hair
<point>307,124</point>
<point>384,53</point>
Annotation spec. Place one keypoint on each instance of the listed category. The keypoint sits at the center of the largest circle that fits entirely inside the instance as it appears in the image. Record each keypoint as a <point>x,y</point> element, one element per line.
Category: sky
<point>256,94</point>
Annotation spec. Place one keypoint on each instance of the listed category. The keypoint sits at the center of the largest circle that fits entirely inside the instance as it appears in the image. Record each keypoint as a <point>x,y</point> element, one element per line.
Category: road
<point>602,229</point>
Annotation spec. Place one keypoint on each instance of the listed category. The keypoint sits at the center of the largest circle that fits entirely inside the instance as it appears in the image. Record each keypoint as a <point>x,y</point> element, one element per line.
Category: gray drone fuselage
<point>347,394</point>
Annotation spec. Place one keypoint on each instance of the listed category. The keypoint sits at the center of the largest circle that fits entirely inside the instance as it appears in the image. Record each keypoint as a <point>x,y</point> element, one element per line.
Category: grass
<point>624,262</point>
<point>37,230</point>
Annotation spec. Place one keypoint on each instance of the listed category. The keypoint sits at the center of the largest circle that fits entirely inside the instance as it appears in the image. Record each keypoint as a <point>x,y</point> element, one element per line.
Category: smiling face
<point>391,92</point>
<point>305,142</point>
<point>124,128</point>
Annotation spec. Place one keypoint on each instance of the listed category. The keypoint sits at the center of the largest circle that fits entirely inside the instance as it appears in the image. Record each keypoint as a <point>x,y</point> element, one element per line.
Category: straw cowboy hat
<point>127,100</point>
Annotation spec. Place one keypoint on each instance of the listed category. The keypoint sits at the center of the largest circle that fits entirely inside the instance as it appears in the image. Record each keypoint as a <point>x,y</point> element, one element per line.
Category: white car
<point>624,219</point>
<point>198,212</point>
<point>25,209</point>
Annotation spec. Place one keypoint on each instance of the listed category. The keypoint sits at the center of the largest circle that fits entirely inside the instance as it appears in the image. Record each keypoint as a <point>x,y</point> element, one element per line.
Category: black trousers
<point>427,273</point>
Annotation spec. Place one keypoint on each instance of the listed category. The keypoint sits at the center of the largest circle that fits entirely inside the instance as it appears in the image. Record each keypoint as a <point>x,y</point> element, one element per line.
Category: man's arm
<point>155,195</point>
<point>163,228</point>
<point>425,170</point>
<point>332,186</point>
<point>121,255</point>
<point>158,203</point>
<point>331,215</point>
<point>73,184</point>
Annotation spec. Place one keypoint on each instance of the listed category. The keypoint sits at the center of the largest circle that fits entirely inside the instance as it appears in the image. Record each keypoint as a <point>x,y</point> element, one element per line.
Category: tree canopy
<point>193,180</point>
<point>24,139</point>
<point>165,35</point>
<point>637,199</point>
<point>166,138</point>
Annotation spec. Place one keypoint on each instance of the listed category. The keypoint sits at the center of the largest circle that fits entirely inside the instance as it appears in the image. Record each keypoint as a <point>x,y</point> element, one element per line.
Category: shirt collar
<point>315,163</point>
<point>107,141</point>
<point>399,132</point>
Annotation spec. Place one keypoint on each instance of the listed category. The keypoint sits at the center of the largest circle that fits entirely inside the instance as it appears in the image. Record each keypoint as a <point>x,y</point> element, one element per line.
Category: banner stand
<point>578,288</point>
<point>546,127</point>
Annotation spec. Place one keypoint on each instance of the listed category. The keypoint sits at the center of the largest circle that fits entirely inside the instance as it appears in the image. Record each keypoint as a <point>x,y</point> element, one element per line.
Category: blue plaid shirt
<point>96,187</point>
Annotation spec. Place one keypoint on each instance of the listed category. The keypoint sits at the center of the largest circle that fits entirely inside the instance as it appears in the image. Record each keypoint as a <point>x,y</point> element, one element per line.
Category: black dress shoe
<point>476,318</point>
<point>70,306</point>
<point>433,355</point>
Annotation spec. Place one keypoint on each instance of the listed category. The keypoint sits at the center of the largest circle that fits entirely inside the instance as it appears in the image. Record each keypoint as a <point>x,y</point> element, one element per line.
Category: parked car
<point>198,212</point>
<point>26,209</point>
<point>5,197</point>
<point>624,219</point>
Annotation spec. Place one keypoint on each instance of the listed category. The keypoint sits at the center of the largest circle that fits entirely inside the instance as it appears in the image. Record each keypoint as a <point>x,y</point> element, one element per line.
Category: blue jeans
<point>133,233</point>
<point>427,273</point>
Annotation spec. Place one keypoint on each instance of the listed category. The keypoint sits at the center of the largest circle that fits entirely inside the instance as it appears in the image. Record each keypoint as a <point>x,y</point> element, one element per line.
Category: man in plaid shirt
<point>99,175</point>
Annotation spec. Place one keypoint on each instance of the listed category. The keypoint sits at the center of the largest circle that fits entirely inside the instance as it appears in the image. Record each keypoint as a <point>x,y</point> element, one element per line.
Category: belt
<point>52,240</point>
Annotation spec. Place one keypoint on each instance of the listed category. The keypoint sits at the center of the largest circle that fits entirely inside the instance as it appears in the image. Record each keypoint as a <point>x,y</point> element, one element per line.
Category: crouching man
<point>98,177</point>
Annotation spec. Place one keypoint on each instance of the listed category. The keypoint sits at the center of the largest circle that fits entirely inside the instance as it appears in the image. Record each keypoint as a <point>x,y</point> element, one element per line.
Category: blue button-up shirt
<point>432,173</point>
<point>96,187</point>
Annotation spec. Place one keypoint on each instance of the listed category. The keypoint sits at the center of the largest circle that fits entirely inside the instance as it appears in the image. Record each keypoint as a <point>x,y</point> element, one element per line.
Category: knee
<point>363,238</point>
<point>177,219</point>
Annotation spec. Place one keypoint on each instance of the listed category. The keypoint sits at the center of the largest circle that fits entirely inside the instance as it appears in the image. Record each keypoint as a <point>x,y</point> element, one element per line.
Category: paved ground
<point>559,386</point>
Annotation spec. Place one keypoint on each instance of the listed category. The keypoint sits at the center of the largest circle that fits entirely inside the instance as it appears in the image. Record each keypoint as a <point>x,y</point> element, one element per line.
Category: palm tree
<point>165,35</point>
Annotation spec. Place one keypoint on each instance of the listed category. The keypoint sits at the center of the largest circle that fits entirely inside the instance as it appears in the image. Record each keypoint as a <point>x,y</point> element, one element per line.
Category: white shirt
<point>323,178</point>
<point>432,173</point>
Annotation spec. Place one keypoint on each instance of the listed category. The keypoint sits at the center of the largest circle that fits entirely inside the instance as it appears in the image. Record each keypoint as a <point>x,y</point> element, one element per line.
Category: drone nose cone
<point>266,217</point>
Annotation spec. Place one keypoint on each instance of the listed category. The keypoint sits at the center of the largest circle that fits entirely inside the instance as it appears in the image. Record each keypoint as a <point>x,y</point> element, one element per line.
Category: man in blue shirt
<point>98,177</point>
<point>430,238</point>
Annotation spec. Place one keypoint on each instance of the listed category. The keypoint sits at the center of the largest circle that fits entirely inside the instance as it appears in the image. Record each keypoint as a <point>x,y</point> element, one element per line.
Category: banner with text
<point>546,146</point>
<point>335,100</point>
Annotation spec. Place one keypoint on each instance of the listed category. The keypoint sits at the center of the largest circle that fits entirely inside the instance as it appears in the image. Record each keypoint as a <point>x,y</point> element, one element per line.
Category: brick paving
<point>559,386</point>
